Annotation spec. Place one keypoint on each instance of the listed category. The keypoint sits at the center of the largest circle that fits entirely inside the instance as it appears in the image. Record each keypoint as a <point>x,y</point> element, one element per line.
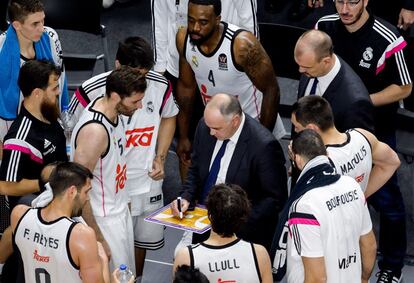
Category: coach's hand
<point>184,206</point>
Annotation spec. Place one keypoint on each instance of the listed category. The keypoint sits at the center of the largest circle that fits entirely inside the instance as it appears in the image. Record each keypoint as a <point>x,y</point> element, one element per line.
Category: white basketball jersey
<point>108,196</point>
<point>353,158</point>
<point>142,131</point>
<point>328,222</point>
<point>233,262</point>
<point>216,72</point>
<point>44,248</point>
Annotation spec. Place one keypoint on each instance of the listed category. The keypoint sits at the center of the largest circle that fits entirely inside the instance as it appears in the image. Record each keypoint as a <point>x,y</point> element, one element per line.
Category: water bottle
<point>68,125</point>
<point>124,274</point>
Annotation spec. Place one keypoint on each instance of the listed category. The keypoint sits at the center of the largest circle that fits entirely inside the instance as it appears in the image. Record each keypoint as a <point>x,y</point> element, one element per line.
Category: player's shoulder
<point>384,30</point>
<point>328,21</point>
<point>50,32</point>
<point>156,78</point>
<point>95,82</point>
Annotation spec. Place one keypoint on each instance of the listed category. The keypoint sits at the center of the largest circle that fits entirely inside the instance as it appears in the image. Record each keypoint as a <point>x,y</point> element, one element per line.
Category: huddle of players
<point>106,96</point>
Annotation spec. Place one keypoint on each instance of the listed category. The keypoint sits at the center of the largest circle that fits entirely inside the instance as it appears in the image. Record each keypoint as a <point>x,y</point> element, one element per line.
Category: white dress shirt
<point>324,81</point>
<point>228,154</point>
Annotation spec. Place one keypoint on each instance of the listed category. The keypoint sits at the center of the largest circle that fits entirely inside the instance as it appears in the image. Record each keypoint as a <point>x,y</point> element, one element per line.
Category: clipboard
<point>195,220</point>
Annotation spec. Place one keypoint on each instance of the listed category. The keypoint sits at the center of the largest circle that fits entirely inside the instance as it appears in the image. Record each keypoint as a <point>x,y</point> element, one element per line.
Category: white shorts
<point>147,235</point>
<point>118,233</point>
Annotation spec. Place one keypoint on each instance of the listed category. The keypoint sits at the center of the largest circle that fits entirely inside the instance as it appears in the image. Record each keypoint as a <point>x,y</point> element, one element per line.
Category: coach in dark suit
<point>248,155</point>
<point>327,75</point>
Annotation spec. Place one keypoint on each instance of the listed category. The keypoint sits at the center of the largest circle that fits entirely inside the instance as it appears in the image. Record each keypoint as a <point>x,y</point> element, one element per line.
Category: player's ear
<point>72,191</point>
<point>314,127</point>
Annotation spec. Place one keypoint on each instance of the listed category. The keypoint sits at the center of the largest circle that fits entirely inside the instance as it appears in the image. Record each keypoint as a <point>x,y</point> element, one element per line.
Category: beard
<point>124,110</point>
<point>358,16</point>
<point>77,208</point>
<point>76,212</point>
<point>50,111</point>
<point>202,39</point>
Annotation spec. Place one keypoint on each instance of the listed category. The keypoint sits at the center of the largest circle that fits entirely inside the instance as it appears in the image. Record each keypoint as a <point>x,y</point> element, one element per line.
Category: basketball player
<point>223,255</point>
<point>54,247</point>
<point>149,134</point>
<point>98,143</point>
<point>356,153</point>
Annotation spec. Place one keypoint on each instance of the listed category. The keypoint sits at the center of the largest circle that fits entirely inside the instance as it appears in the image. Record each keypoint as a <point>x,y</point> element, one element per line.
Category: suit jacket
<point>349,99</point>
<point>257,165</point>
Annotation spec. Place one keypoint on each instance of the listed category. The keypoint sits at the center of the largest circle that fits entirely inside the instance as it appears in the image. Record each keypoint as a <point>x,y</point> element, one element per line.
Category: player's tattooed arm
<point>251,58</point>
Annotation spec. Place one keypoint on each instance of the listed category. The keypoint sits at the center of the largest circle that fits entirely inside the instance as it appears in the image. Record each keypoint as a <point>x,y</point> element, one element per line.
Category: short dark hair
<point>228,208</point>
<point>314,109</point>
<point>135,52</point>
<point>19,9</point>
<point>124,81</point>
<point>67,174</point>
<point>186,274</point>
<point>35,74</point>
<point>215,3</point>
<point>308,144</point>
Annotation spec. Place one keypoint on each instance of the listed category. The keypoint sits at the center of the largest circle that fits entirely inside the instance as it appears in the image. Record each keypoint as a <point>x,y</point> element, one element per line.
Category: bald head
<point>227,105</point>
<point>315,41</point>
<point>223,115</point>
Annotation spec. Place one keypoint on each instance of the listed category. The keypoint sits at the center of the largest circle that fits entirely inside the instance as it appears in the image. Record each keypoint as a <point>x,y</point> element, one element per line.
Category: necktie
<point>313,88</point>
<point>214,170</point>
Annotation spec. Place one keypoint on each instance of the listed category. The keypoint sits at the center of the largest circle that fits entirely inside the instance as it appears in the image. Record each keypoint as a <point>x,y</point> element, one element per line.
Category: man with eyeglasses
<point>374,49</point>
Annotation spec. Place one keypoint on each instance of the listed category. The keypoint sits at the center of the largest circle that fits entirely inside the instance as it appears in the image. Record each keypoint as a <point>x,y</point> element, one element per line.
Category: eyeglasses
<point>350,4</point>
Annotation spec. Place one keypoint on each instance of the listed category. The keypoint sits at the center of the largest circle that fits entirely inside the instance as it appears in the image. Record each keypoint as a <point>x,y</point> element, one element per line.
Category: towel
<point>44,198</point>
<point>318,172</point>
<point>9,72</point>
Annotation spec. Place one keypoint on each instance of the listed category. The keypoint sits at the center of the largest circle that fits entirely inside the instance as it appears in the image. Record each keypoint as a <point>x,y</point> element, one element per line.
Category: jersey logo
<point>194,60</point>
<point>139,137</point>
<point>40,258</point>
<point>49,147</point>
<point>368,55</point>
<point>150,107</point>
<point>156,198</point>
<point>120,177</point>
<point>47,143</point>
<point>360,178</point>
<point>203,91</point>
<point>222,61</point>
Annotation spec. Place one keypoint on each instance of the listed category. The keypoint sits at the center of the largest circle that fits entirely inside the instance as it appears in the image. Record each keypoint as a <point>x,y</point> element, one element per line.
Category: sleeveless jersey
<point>353,158</point>
<point>142,131</point>
<point>216,72</point>
<point>233,262</point>
<point>108,196</point>
<point>44,248</point>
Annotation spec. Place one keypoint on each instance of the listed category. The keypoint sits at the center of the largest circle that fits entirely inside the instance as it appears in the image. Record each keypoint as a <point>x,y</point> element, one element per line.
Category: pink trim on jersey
<point>169,91</point>
<point>304,221</point>
<point>255,102</point>
<point>25,150</point>
<point>80,98</point>
<point>102,189</point>
<point>388,54</point>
